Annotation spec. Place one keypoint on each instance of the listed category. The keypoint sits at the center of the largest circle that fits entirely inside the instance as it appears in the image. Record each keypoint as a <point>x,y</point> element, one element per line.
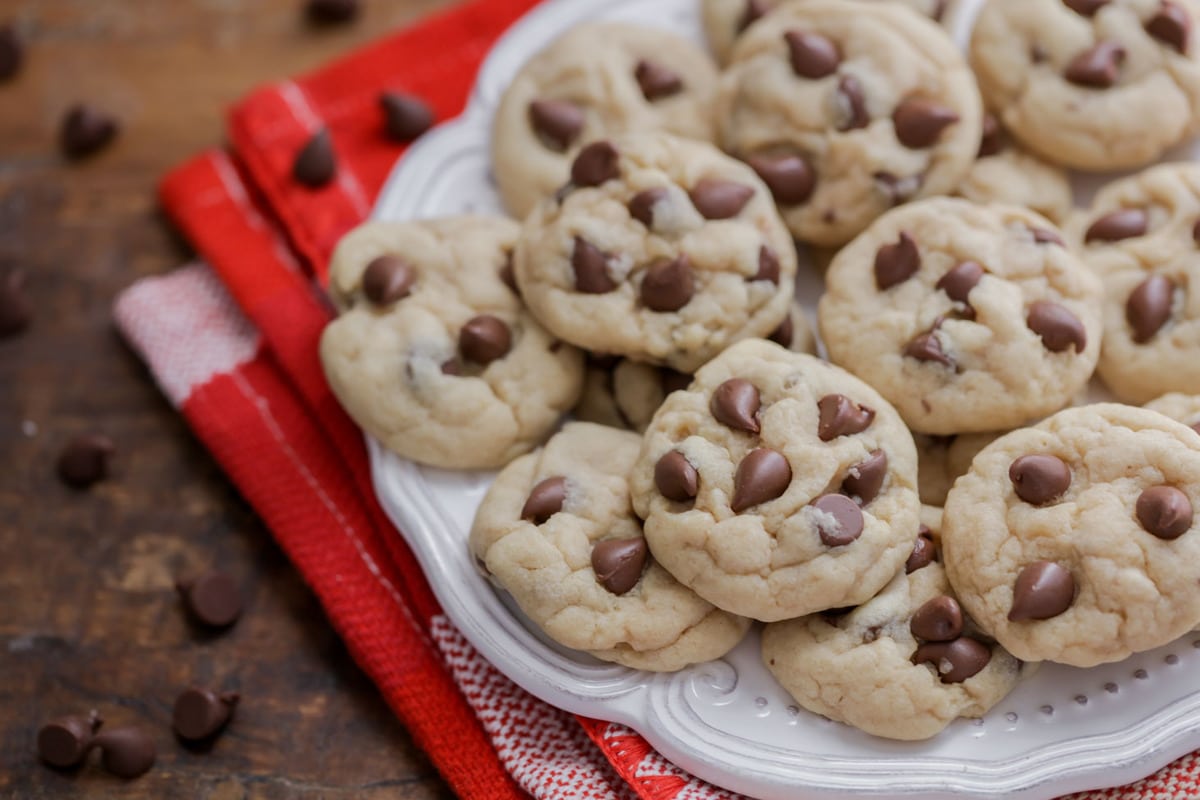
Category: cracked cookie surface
<point>903,665</point>
<point>597,80</point>
<point>1074,540</point>
<point>1092,85</point>
<point>556,531</point>
<point>664,250</point>
<point>777,485</point>
<point>967,318</point>
<point>433,353</point>
<point>1142,237</point>
<point>846,115</point>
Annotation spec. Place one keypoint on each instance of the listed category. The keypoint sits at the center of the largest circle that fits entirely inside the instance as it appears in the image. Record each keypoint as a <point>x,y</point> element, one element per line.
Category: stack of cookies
<point>917,520</point>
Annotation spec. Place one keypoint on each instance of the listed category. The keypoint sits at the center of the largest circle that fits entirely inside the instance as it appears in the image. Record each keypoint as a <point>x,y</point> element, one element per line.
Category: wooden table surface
<point>88,616</point>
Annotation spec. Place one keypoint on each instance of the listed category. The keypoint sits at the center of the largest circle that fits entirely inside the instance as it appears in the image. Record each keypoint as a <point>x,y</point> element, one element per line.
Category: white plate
<point>728,721</point>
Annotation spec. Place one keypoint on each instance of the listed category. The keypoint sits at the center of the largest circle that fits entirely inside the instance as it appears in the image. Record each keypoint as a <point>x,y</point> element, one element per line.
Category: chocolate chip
<point>896,262</point>
<point>15,310</point>
<point>789,177</point>
<point>315,164</point>
<point>865,478</point>
<point>86,130</point>
<point>1058,327</point>
<point>850,105</point>
<point>641,207</point>
<point>1043,590</point>
<point>1039,479</point>
<point>126,752</point>
<point>923,552</point>
<point>484,339</point>
<point>201,713</point>
<point>715,198</point>
<point>735,404</point>
<point>557,122</point>
<point>937,620</point>
<point>405,116</point>
<point>1196,232</point>
<point>954,661</point>
<point>1171,25</point>
<point>919,121</point>
<point>590,265</point>
<point>992,141</point>
<point>331,12</point>
<point>451,367</point>
<point>1124,223</point>
<point>926,347</point>
<point>656,80</point>
<point>12,52</point>
<point>755,10</point>
<point>768,266</point>
<point>676,478</point>
<point>841,416</point>
<point>618,563</point>
<point>1149,307</point>
<point>1086,8</point>
<point>84,461</point>
<point>213,599</point>
<point>387,279</point>
<point>840,521</point>
<point>595,164</point>
<point>785,333</point>
<point>1046,236</point>
<point>1097,67</point>
<point>1164,511</point>
<point>668,284</point>
<point>545,500</point>
<point>763,475</point>
<point>508,274</point>
<point>812,55</point>
<point>959,281</point>
<point>673,380</point>
<point>65,742</point>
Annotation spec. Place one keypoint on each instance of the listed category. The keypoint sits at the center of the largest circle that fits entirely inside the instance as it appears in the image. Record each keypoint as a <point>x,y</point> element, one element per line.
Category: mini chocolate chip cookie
<point>967,318</point>
<point>556,531</point>
<point>904,664</point>
<point>1142,237</point>
<point>846,112</point>
<point>777,485</point>
<point>942,459</point>
<point>660,249</point>
<point>726,20</point>
<point>625,394</point>
<point>1183,408</point>
<point>1075,540</point>
<point>598,80</point>
<point>433,353</point>
<point>1006,173</point>
<point>1103,84</point>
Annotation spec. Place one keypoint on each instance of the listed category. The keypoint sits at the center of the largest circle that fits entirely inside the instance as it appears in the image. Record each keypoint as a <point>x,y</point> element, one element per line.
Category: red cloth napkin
<point>233,345</point>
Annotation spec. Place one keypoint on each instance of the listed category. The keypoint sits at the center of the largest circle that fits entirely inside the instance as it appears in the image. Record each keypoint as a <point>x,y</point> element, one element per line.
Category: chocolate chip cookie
<point>726,20</point>
<point>847,111</point>
<point>967,318</point>
<point>1183,408</point>
<point>1075,540</point>
<point>1142,237</point>
<point>660,249</point>
<point>1095,84</point>
<point>777,485</point>
<point>598,80</point>
<point>904,664</point>
<point>1006,173</point>
<point>556,531</point>
<point>942,459</point>
<point>433,353</point>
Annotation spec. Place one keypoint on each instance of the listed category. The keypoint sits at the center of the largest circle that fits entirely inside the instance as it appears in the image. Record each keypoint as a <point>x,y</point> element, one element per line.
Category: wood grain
<point>88,617</point>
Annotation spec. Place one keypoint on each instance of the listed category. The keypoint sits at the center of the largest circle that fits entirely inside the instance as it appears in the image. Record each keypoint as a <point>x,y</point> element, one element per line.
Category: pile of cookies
<point>922,517</point>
